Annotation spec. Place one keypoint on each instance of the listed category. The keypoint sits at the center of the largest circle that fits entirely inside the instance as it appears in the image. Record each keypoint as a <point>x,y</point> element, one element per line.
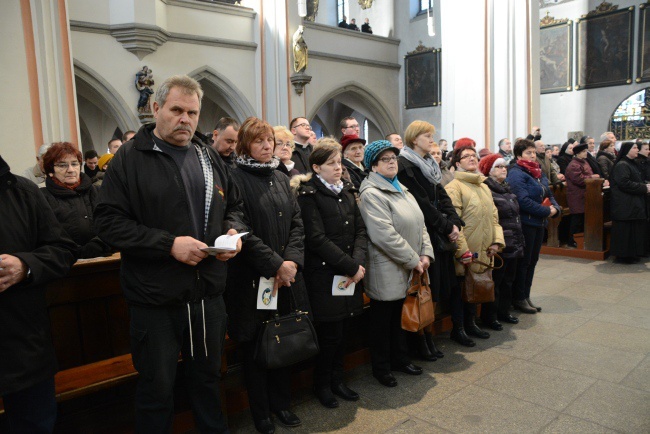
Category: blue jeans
<point>31,410</point>
<point>158,335</point>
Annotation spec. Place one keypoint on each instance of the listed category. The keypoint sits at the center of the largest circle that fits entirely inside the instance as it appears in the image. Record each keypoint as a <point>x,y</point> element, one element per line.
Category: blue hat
<point>373,150</point>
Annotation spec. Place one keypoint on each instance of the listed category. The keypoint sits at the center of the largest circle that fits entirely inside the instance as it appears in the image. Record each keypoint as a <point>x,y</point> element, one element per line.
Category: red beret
<point>351,138</point>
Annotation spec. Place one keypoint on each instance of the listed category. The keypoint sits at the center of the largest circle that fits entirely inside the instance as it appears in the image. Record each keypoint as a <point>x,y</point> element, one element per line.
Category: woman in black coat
<point>72,197</point>
<point>353,158</point>
<point>628,207</point>
<point>420,173</point>
<point>496,169</point>
<point>274,249</point>
<point>335,245</point>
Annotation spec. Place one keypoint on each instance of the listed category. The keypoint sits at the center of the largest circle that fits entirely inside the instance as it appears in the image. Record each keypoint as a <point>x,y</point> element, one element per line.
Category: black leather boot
<point>458,334</point>
<point>473,330</point>
<point>432,346</point>
<point>423,349</point>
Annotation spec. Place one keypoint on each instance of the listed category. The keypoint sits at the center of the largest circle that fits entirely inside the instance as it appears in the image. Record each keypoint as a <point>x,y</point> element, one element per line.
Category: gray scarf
<point>427,165</point>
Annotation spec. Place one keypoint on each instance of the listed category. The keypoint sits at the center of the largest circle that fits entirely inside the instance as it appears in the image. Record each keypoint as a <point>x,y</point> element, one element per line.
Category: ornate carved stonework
<point>365,4</point>
<point>312,10</point>
<point>551,21</point>
<point>140,39</point>
<point>421,49</point>
<point>602,8</point>
<point>299,80</point>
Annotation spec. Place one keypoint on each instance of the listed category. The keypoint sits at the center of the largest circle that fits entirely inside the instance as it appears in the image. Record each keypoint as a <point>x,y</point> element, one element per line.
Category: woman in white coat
<point>398,244</point>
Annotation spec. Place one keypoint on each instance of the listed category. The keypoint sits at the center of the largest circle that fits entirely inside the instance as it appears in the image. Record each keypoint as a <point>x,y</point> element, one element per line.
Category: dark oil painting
<point>556,57</point>
<point>422,79</point>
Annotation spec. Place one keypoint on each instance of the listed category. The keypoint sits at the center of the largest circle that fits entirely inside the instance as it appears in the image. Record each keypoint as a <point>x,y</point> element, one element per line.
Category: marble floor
<point>582,365</point>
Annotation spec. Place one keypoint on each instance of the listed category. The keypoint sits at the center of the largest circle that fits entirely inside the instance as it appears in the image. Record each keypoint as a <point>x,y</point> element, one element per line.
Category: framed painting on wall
<point>555,55</point>
<point>643,59</point>
<point>422,77</point>
<point>605,47</point>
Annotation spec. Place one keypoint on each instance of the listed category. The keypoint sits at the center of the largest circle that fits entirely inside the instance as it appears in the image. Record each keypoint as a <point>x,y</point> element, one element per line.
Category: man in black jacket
<point>34,249</point>
<point>165,197</point>
<point>301,131</point>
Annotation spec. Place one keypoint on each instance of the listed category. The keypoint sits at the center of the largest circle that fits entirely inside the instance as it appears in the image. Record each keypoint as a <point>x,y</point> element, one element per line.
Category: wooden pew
<point>597,215</point>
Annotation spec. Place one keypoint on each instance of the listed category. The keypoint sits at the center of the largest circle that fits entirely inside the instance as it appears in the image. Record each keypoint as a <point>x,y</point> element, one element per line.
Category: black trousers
<point>329,362</point>
<point>31,410</point>
<point>158,335</point>
<point>268,389</point>
<point>387,340</point>
<point>503,279</point>
<point>533,237</point>
<point>459,309</point>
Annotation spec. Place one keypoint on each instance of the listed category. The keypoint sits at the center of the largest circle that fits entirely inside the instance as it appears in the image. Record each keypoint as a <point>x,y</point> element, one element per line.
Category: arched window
<point>631,119</point>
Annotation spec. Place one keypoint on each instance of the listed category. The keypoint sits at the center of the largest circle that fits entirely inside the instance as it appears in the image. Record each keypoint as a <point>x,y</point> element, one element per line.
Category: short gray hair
<point>43,149</point>
<point>605,135</point>
<point>187,85</point>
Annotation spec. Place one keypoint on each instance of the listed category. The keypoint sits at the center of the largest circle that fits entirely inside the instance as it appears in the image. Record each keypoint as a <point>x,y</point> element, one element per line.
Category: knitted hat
<point>579,148</point>
<point>104,160</point>
<point>372,151</point>
<point>483,152</point>
<point>489,161</point>
<point>351,138</point>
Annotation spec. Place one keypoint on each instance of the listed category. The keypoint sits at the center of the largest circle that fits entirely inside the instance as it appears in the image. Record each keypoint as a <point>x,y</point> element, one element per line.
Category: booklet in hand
<point>224,244</point>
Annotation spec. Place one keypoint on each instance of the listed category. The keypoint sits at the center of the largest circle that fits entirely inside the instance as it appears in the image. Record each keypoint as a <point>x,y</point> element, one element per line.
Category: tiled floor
<point>582,365</point>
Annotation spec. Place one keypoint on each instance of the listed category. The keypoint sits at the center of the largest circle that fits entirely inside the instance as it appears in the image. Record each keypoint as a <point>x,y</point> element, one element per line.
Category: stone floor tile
<point>415,425</point>
<point>620,337</point>
<point>469,364</point>
<point>639,298</point>
<point>547,286</point>
<point>614,406</point>
<point>562,304</point>
<point>588,359</point>
<point>542,385</point>
<point>569,424</point>
<point>639,378</point>
<point>589,291</point>
<point>475,409</point>
<point>567,275</point>
<point>551,323</point>
<point>626,315</point>
<point>518,343</point>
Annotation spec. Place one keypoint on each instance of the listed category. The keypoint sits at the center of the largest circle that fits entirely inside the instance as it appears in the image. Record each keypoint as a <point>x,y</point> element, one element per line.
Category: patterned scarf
<point>427,165</point>
<point>532,167</point>
<point>255,166</point>
<point>336,188</point>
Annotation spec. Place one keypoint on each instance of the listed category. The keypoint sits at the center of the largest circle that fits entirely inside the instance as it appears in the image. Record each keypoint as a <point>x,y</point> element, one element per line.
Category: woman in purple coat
<point>576,172</point>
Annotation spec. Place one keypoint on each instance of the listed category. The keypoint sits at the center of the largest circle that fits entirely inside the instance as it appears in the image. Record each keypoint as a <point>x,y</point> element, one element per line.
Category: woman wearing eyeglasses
<point>72,197</point>
<point>496,169</point>
<point>398,245</point>
<point>283,150</point>
<point>482,235</point>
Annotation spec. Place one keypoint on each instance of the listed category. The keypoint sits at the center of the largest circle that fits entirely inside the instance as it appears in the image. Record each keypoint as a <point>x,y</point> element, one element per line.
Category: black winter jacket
<point>143,207</point>
<point>509,218</point>
<point>277,235</point>
<point>628,191</point>
<point>335,244</point>
<point>31,232</point>
<point>74,209</point>
<point>300,156</point>
<point>644,166</point>
<point>439,213</point>
<point>356,175</point>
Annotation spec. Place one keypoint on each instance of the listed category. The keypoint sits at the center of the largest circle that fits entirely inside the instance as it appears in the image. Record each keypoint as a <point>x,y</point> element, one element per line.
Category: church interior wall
<point>583,110</point>
<point>18,145</point>
<point>380,15</point>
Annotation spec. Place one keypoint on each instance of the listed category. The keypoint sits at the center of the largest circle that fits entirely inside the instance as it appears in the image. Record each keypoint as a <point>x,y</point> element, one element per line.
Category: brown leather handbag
<point>479,287</point>
<point>417,311</point>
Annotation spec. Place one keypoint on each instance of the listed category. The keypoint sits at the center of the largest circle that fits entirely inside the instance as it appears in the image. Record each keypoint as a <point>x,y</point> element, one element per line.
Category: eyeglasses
<point>352,126</point>
<point>472,156</point>
<point>388,159</point>
<point>283,145</point>
<point>304,124</point>
<point>65,165</point>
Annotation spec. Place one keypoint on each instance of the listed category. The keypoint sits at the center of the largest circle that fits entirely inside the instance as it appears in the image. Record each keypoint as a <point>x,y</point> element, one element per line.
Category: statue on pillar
<point>143,84</point>
<point>300,51</point>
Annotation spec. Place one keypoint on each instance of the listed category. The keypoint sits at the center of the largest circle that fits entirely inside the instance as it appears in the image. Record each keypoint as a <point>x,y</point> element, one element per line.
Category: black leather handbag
<point>285,340</point>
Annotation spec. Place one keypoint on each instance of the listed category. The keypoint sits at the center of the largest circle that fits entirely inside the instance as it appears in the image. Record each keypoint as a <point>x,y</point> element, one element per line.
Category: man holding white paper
<point>165,197</point>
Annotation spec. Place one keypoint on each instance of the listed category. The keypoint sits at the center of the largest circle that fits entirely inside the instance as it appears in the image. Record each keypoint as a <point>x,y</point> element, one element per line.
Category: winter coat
<point>595,167</point>
<point>509,218</point>
<point>357,175</point>
<point>628,191</point>
<point>563,161</point>
<point>335,244</point>
<point>530,194</point>
<point>290,173</point>
<point>576,172</point>
<point>143,207</point>
<point>74,210</point>
<point>397,237</point>
<point>31,232</point>
<point>547,169</point>
<point>644,166</point>
<point>439,213</point>
<point>473,202</point>
<point>606,162</point>
<point>277,235</point>
<point>300,156</point>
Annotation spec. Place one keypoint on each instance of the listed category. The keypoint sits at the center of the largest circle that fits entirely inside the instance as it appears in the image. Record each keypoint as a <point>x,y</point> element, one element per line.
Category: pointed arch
<point>362,100</point>
<point>227,96</point>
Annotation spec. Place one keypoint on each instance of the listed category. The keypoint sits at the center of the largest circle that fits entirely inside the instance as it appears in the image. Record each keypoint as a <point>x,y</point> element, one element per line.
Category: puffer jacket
<point>530,194</point>
<point>576,172</point>
<point>397,237</point>
<point>335,244</point>
<point>509,219</point>
<point>473,202</point>
<point>606,162</point>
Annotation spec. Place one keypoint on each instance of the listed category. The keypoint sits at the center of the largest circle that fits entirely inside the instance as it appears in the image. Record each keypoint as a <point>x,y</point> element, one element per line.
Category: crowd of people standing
<point>316,211</point>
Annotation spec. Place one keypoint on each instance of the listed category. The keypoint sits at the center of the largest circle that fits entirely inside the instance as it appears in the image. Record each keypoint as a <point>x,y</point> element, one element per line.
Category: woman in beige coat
<point>480,236</point>
<point>398,245</point>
